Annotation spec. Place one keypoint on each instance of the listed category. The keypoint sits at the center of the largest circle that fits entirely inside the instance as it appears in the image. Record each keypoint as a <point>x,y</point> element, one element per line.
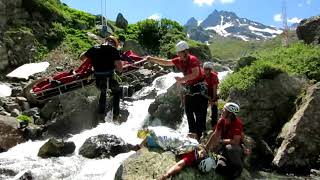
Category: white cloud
<point>277,18</point>
<point>308,2</point>
<point>294,20</point>
<point>156,16</point>
<point>226,1</point>
<point>203,2</point>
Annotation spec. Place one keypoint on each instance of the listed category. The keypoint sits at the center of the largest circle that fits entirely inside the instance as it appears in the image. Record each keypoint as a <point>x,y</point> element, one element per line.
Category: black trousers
<point>196,111</point>
<point>214,115</point>
<point>101,83</point>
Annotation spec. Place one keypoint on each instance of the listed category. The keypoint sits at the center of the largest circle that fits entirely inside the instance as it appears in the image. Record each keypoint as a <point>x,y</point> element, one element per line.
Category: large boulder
<point>134,46</point>
<point>149,165</point>
<point>71,112</point>
<point>309,30</point>
<point>167,107</point>
<point>121,22</point>
<point>56,148</point>
<point>268,105</point>
<point>104,146</point>
<point>9,133</point>
<point>300,138</point>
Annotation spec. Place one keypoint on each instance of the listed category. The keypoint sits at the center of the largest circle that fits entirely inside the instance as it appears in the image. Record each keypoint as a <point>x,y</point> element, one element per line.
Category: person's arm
<point>213,141</point>
<point>118,65</point>
<point>174,169</point>
<point>214,97</point>
<point>160,61</point>
<point>193,75</point>
<point>235,141</point>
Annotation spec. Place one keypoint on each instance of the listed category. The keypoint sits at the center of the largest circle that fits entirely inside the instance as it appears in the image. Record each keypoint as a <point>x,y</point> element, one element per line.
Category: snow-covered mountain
<point>228,24</point>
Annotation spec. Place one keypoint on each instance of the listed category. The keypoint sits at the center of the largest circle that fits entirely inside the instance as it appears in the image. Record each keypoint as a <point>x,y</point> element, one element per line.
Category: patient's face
<point>202,154</point>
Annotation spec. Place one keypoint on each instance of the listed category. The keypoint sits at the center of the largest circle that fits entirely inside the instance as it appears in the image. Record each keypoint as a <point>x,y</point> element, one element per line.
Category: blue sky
<point>265,11</point>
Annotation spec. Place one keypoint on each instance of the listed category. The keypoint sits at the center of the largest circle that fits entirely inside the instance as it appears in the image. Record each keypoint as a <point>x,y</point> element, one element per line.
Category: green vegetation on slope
<point>297,59</point>
<point>59,25</point>
<point>233,48</point>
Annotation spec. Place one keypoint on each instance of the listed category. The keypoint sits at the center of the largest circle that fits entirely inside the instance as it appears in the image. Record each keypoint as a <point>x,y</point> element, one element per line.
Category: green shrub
<point>24,118</point>
<point>248,76</point>
<point>298,59</point>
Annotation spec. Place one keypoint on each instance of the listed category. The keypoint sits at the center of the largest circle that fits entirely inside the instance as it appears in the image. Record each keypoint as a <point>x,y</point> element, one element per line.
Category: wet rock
<point>167,108</point>
<point>315,172</point>
<point>15,113</point>
<point>12,106</point>
<point>103,146</point>
<point>34,132</point>
<point>147,164</point>
<point>300,139</point>
<point>24,175</point>
<point>20,100</point>
<point>56,148</point>
<point>309,30</point>
<point>17,91</point>
<point>5,113</point>
<point>71,112</point>
<point>9,132</point>
<point>25,106</point>
<point>7,172</point>
<point>31,112</point>
<point>261,155</point>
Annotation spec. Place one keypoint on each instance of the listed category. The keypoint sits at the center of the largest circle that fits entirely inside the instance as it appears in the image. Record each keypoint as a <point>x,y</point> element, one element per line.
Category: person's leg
<point>214,115</point>
<point>201,113</point>
<point>234,155</point>
<point>189,112</point>
<point>101,85</point>
<point>116,93</point>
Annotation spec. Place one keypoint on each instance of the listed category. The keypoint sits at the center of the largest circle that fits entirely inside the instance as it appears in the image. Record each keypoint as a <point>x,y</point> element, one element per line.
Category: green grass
<point>233,49</point>
<point>298,59</point>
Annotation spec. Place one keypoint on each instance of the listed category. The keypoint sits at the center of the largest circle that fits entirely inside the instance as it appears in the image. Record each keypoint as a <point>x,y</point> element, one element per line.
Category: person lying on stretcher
<point>81,72</point>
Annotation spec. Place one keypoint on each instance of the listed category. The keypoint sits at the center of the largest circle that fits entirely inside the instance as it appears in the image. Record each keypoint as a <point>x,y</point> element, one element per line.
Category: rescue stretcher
<point>36,96</point>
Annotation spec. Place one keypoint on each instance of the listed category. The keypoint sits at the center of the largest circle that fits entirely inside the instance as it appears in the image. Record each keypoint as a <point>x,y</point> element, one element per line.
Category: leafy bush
<point>248,76</point>
<point>297,59</point>
<point>24,118</point>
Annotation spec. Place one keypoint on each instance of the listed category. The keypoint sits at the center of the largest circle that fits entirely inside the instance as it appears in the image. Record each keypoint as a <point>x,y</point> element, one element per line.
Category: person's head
<point>202,153</point>
<point>206,165</point>
<point>230,110</point>
<point>182,48</point>
<point>112,41</point>
<point>208,67</point>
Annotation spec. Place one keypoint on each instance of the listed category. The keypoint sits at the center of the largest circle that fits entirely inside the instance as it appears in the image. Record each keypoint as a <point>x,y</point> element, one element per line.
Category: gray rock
<point>25,106</point>
<point>9,132</point>
<point>309,30</point>
<point>103,146</point>
<point>268,105</point>
<point>34,132</point>
<point>20,100</point>
<point>300,139</point>
<point>134,46</point>
<point>24,175</point>
<point>167,107</point>
<point>31,112</point>
<point>5,113</point>
<point>17,91</point>
<point>315,172</point>
<point>147,164</point>
<point>56,148</point>
<point>15,113</point>
<point>12,106</point>
<point>121,22</point>
<point>71,112</point>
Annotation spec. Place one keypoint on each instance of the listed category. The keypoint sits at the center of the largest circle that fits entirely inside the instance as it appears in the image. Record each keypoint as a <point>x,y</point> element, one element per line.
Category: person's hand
<point>148,58</point>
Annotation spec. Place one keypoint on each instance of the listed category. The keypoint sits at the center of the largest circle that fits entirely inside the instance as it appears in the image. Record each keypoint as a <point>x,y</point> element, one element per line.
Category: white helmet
<point>206,165</point>
<point>208,65</point>
<point>181,46</point>
<point>232,107</point>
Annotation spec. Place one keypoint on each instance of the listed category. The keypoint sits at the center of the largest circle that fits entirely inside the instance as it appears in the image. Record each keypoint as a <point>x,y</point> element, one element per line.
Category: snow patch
<point>199,22</point>
<point>268,30</point>
<point>5,90</point>
<point>220,29</point>
<point>244,38</point>
<point>26,70</point>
